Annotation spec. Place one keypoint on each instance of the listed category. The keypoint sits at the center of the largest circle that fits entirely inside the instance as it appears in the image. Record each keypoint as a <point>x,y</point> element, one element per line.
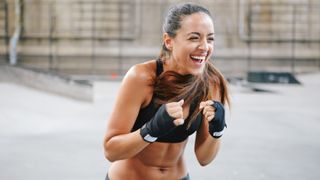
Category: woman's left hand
<point>214,112</point>
<point>208,109</point>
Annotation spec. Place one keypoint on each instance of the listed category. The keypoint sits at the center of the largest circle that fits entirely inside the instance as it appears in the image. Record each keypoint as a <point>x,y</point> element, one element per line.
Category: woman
<point>161,102</point>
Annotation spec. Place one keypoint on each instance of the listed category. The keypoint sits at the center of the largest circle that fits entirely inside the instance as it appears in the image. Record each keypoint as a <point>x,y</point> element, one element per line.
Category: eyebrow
<point>200,34</point>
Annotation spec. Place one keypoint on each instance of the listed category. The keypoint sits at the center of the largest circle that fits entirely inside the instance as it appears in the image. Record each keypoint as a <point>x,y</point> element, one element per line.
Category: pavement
<point>271,135</point>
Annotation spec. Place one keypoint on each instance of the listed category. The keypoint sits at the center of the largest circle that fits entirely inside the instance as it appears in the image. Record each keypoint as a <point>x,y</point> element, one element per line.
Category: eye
<point>193,38</point>
<point>210,39</point>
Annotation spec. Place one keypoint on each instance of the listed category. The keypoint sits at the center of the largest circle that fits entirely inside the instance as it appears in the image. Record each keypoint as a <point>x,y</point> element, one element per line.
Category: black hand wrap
<point>160,125</point>
<point>217,124</point>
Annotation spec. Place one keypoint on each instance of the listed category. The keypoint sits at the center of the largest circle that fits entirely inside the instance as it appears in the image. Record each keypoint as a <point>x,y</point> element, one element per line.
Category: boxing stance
<point>162,123</point>
<point>163,101</point>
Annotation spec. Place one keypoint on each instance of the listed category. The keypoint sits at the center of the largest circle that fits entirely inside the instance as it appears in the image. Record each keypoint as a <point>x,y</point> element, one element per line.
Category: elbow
<point>109,153</point>
<point>204,159</point>
<point>109,156</point>
<point>204,162</point>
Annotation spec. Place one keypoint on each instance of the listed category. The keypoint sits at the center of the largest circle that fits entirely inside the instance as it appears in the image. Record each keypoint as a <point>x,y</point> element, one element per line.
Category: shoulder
<point>142,73</point>
<point>139,80</point>
<point>215,88</point>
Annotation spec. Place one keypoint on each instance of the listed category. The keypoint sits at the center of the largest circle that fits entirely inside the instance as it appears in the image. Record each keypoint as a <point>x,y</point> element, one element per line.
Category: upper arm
<point>131,95</point>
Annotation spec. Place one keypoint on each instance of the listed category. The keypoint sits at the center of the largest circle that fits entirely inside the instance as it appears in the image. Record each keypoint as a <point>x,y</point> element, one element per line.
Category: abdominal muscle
<point>157,161</point>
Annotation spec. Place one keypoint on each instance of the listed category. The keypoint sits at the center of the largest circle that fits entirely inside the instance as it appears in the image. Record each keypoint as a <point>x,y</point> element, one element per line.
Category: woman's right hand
<point>167,118</point>
<point>175,110</point>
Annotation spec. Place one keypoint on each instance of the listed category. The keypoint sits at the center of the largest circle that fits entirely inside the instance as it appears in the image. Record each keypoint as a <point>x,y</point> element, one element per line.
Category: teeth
<point>201,58</point>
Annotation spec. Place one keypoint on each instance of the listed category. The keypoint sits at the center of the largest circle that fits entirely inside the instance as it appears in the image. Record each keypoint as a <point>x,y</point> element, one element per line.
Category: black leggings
<point>185,178</point>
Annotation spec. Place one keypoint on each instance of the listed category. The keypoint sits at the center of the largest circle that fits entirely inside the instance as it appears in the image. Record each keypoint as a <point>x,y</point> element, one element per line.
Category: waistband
<point>187,177</point>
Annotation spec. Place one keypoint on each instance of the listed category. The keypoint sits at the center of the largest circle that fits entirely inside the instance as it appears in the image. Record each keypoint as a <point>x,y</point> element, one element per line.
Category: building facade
<point>104,37</point>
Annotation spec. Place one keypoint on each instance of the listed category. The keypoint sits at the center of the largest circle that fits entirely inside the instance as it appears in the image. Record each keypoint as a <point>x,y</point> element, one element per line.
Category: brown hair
<point>172,87</point>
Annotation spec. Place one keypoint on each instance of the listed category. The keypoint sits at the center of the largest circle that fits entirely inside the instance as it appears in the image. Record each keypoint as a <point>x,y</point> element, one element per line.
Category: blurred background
<point>269,50</point>
<point>89,38</point>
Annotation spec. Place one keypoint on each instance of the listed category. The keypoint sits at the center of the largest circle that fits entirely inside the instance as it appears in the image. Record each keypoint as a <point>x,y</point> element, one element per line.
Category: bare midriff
<point>157,161</point>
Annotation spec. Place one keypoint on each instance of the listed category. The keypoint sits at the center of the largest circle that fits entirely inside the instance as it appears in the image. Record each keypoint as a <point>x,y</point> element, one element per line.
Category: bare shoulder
<point>139,80</point>
<point>215,91</point>
<point>133,94</point>
<point>142,73</point>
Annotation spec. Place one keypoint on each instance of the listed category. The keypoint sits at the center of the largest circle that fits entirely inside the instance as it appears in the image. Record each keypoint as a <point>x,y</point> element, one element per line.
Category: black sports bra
<point>180,133</point>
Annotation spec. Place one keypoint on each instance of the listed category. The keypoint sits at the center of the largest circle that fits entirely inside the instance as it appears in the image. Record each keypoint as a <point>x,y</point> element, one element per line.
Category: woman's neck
<point>171,65</point>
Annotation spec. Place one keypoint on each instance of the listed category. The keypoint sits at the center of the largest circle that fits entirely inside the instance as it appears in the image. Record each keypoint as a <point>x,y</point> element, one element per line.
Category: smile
<point>198,59</point>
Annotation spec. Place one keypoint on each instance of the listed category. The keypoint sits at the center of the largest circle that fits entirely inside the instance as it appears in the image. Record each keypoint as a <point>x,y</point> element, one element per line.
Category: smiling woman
<point>175,95</point>
<point>193,41</point>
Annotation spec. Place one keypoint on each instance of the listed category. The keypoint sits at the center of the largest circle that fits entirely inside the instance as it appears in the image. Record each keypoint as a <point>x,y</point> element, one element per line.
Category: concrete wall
<point>108,36</point>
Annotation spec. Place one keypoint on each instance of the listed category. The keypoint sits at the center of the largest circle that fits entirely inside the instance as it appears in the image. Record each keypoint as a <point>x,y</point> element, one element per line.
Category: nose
<point>203,45</point>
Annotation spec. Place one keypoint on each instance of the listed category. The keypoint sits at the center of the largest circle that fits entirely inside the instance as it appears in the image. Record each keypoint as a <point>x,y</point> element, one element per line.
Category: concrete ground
<point>270,135</point>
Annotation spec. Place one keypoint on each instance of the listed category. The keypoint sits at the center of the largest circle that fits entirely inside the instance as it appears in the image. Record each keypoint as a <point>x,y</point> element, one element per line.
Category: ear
<point>168,41</point>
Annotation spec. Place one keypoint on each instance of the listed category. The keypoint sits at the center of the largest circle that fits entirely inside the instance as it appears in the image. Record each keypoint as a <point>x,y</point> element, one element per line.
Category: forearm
<point>207,150</point>
<point>124,146</point>
<point>208,136</point>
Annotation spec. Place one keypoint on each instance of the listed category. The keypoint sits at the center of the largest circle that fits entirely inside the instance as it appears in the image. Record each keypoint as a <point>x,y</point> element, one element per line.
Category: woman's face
<point>193,44</point>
